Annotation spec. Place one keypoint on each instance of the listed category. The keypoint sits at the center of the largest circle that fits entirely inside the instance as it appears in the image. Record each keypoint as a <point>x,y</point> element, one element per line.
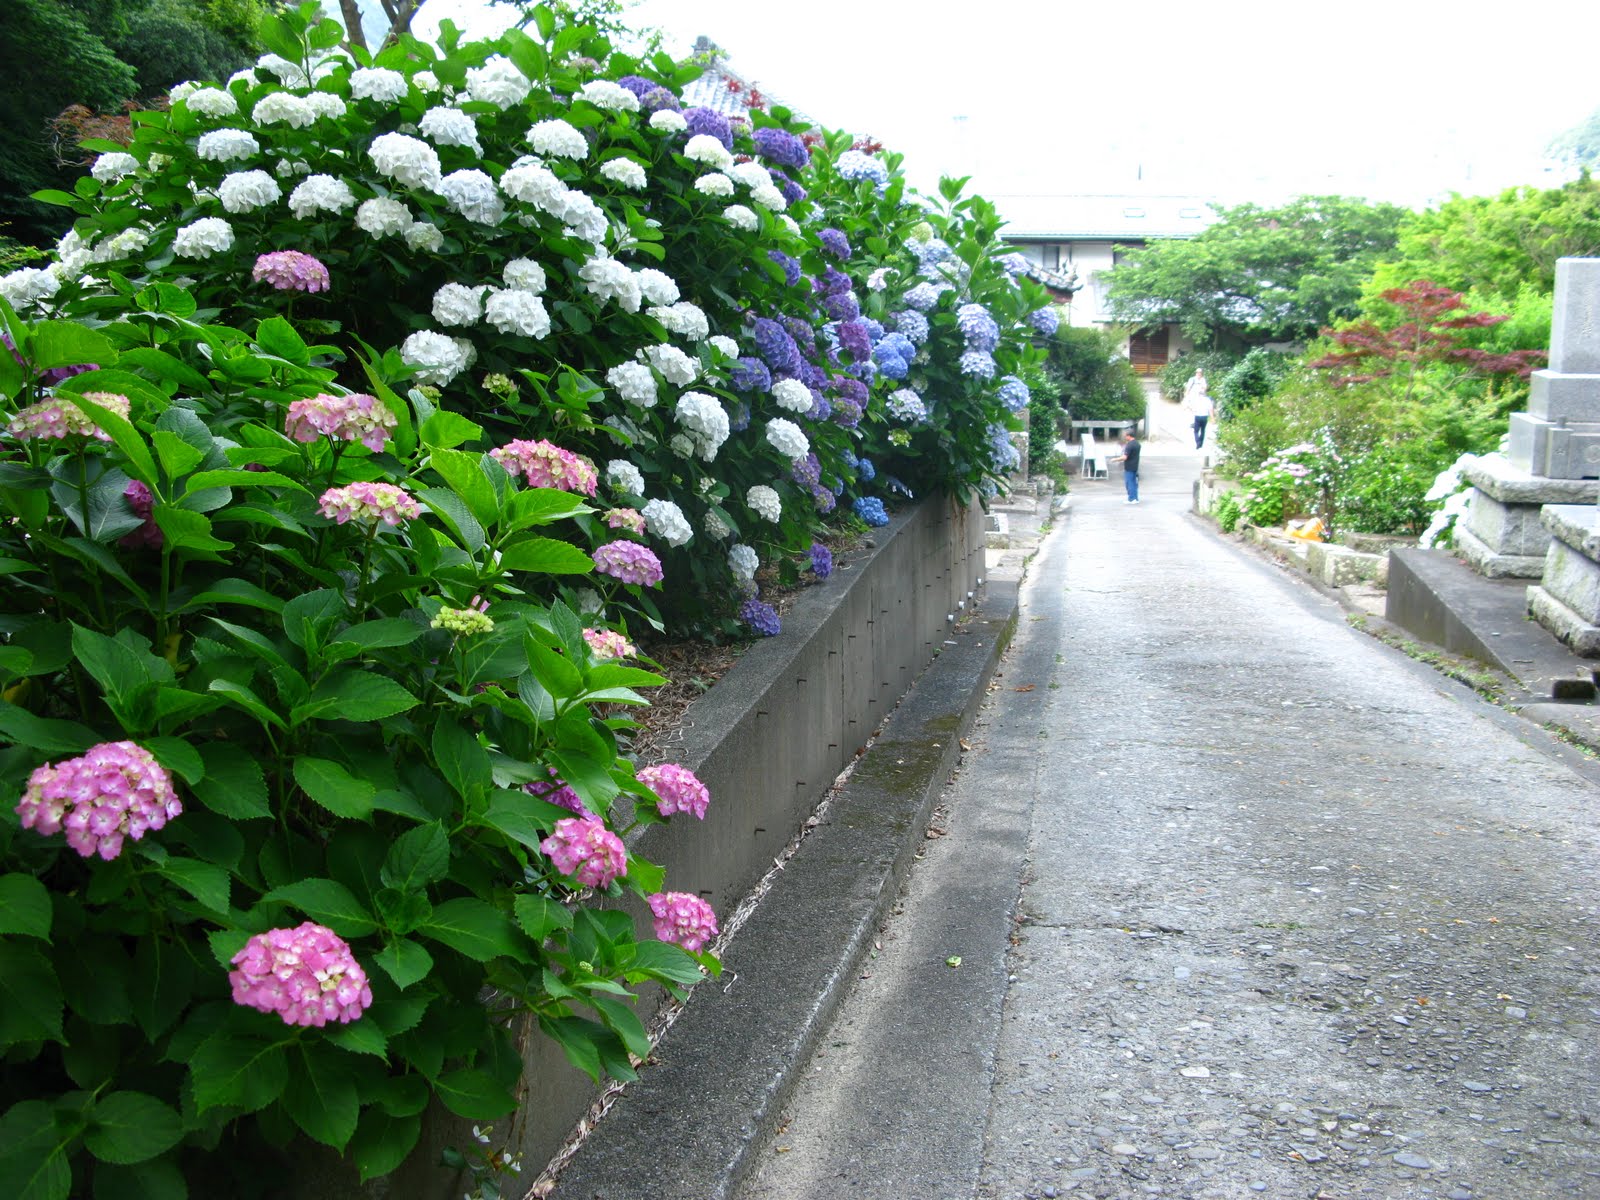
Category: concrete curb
<point>691,1127</point>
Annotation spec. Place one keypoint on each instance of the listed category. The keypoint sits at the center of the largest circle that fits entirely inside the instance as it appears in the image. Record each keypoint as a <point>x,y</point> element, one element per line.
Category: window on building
<point>1147,351</point>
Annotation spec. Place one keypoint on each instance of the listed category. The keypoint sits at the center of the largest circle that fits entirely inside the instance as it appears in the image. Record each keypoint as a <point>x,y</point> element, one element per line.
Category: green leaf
<point>404,961</point>
<point>227,477</point>
<point>355,695</point>
<point>126,438</point>
<point>329,903</point>
<point>624,1022</point>
<point>559,674</point>
<point>177,457</point>
<point>473,1093</point>
<point>43,734</point>
<point>376,635</point>
<point>158,1179</point>
<point>663,960</point>
<point>100,510</point>
<point>244,698</point>
<point>333,787</point>
<point>461,759</point>
<point>418,857</point>
<point>240,1072</point>
<point>360,1037</point>
<point>235,591</point>
<point>30,997</point>
<point>167,367</point>
<point>68,344</point>
<point>24,906</point>
<point>33,1158</point>
<point>131,1127</point>
<point>279,339</point>
<point>186,530</point>
<point>473,928</point>
<point>464,473</point>
<point>519,817</point>
<point>446,430</point>
<point>382,1142</point>
<point>322,1099</point>
<point>550,556</point>
<point>457,518</point>
<point>540,916</point>
<point>177,755</point>
<point>542,506</point>
<point>207,883</point>
<point>233,785</point>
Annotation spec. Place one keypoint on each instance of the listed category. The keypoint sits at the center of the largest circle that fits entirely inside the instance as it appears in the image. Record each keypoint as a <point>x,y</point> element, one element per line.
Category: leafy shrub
<point>1254,376</point>
<point>1385,491</point>
<point>1227,511</point>
<point>1176,373</point>
<point>1095,381</point>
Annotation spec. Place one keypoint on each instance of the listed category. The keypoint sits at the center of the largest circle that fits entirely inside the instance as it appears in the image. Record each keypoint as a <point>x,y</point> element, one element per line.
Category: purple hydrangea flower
<point>911,323</point>
<point>791,266</point>
<point>800,331</point>
<point>820,409</point>
<point>761,617</point>
<point>793,193</point>
<point>775,345</point>
<point>638,85</point>
<point>855,340</point>
<point>822,498</point>
<point>812,375</point>
<point>782,148</point>
<point>977,327</point>
<point>1013,393</point>
<point>806,471</point>
<point>835,281</point>
<point>709,121</point>
<point>870,509</point>
<point>835,243</point>
<point>842,306</point>
<point>738,417</point>
<point>849,389</point>
<point>1045,320</point>
<point>846,412</point>
<point>924,296</point>
<point>658,98</point>
<point>749,375</point>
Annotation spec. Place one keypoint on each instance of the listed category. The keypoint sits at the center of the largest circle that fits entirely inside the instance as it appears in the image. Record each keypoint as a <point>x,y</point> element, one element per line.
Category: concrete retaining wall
<point>767,740</point>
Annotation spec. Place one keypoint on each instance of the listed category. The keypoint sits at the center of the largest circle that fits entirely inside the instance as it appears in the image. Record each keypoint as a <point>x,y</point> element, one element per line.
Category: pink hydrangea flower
<point>141,502</point>
<point>682,919</point>
<point>544,464</point>
<point>678,789</point>
<point>608,643</point>
<point>356,417</point>
<point>369,502</point>
<point>630,519</point>
<point>306,975</point>
<point>556,791</point>
<point>55,417</point>
<point>291,271</point>
<point>115,790</point>
<point>584,848</point>
<point>629,562</point>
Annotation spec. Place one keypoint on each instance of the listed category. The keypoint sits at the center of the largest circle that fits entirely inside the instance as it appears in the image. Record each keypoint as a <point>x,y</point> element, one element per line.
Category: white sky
<point>1401,100</point>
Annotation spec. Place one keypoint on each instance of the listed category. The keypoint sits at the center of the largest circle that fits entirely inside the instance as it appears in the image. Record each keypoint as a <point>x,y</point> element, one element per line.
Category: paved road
<point>1245,904</point>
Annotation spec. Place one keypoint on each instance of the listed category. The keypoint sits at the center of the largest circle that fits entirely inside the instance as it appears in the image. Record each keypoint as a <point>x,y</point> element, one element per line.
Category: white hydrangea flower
<point>609,279</point>
<point>657,286</point>
<point>289,167</point>
<point>556,137</point>
<point>789,223</point>
<point>743,560</point>
<point>203,238</point>
<point>437,359</point>
<point>283,108</point>
<point>498,82</point>
<point>624,478</point>
<point>706,420</point>
<point>425,236</point>
<point>675,366</point>
<point>714,184</point>
<point>716,528</point>
<point>26,287</point>
<point>792,395</point>
<point>764,501</point>
<point>382,216</point>
<point>665,520</point>
<point>513,311</point>
<point>624,171</point>
<point>182,91</point>
<point>450,127</point>
<point>703,148</point>
<point>684,319</point>
<point>287,72</point>
<point>377,83</point>
<point>109,168</point>
<point>602,93</point>
<point>426,82</point>
<point>226,145</point>
<point>634,383</point>
<point>879,279</point>
<point>472,194</point>
<point>248,77</point>
<point>724,344</point>
<point>320,193</point>
<point>769,197</point>
<point>668,120</point>
<point>741,217</point>
<point>326,105</point>
<point>73,256</point>
<point>122,245</point>
<point>246,191</point>
<point>524,275</point>
<point>787,438</point>
<point>532,182</point>
<point>752,174</point>
<point>458,304</point>
<point>579,213</point>
<point>211,102</point>
<point>407,160</point>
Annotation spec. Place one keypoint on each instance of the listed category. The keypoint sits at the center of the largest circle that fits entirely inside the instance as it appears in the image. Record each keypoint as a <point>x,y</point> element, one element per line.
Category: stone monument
<point>1554,451</point>
<point>1560,434</point>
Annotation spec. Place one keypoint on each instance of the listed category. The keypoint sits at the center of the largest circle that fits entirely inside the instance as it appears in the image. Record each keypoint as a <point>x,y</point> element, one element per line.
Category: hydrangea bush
<point>366,404</point>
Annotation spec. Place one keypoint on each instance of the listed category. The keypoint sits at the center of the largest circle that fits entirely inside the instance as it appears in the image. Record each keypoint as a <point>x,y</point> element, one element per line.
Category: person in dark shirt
<point>1130,465</point>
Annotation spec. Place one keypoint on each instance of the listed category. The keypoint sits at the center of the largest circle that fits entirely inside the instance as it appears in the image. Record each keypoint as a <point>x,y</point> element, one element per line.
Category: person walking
<point>1197,401</point>
<point>1129,458</point>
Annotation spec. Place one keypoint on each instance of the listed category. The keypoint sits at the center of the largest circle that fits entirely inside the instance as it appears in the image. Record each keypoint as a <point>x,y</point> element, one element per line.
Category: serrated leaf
<point>206,882</point>
<point>360,1037</point>
<point>333,787</point>
<point>130,1127</point>
<point>382,1142</point>
<point>24,906</point>
<point>355,695</point>
<point>33,1155</point>
<point>329,903</point>
<point>540,916</point>
<point>418,857</point>
<point>473,928</point>
<point>30,996</point>
<point>239,1072</point>
<point>473,1093</point>
<point>233,785</point>
<point>404,961</point>
<point>44,734</point>
<point>322,1100</point>
<point>178,756</point>
<point>548,556</point>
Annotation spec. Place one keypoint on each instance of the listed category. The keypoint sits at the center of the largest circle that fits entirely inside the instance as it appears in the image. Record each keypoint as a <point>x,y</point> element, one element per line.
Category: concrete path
<point>1226,900</point>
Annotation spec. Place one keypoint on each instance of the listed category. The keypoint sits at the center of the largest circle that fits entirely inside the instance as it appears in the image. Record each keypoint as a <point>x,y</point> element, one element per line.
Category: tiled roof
<point>1131,216</point>
<point>711,90</point>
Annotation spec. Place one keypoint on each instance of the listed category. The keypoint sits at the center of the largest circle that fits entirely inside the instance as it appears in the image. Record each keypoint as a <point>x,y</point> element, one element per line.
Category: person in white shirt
<point>1197,401</point>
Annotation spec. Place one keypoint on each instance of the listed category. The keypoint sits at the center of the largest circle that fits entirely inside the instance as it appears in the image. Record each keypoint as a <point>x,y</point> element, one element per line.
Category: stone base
<point>1490,565</point>
<point>1571,629</point>
<point>1337,566</point>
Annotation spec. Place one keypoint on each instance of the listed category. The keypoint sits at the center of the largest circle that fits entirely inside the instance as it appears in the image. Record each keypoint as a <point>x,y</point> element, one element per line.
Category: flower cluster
<point>683,919</point>
<point>464,622</point>
<point>370,503</point>
<point>821,560</point>
<point>544,464</point>
<point>870,509</point>
<point>57,417</point>
<point>761,617</point>
<point>608,643</point>
<point>115,790</point>
<point>585,849</point>
<point>355,417</point>
<point>629,562</point>
<point>307,975</point>
<point>677,790</point>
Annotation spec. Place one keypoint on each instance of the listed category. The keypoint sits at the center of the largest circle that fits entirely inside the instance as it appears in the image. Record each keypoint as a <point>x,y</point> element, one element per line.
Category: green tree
<point>1259,274</point>
<point>1493,245</point>
<point>173,40</point>
<point>1580,145</point>
<point>1088,373</point>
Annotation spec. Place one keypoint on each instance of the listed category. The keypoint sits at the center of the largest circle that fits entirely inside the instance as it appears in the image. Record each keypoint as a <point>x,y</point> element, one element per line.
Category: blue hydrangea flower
<point>870,509</point>
<point>977,327</point>
<point>749,375</point>
<point>709,121</point>
<point>865,471</point>
<point>931,252</point>
<point>775,345</point>
<point>911,323</point>
<point>892,366</point>
<point>793,193</point>
<point>835,243</point>
<point>905,405</point>
<point>791,266</point>
<point>1003,452</point>
<point>782,148</point>
<point>903,346</point>
<point>853,164</point>
<point>1013,393</point>
<point>866,371</point>
<point>835,281</point>
<point>738,417</point>
<point>842,306</point>
<point>979,364</point>
<point>924,296</point>
<point>1045,320</point>
<point>875,328</point>
<point>821,560</point>
<point>761,617</point>
<point>1016,264</point>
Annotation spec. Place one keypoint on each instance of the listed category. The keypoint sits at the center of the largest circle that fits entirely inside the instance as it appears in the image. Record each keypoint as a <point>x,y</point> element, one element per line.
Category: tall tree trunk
<point>353,33</point>
<point>399,13</point>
